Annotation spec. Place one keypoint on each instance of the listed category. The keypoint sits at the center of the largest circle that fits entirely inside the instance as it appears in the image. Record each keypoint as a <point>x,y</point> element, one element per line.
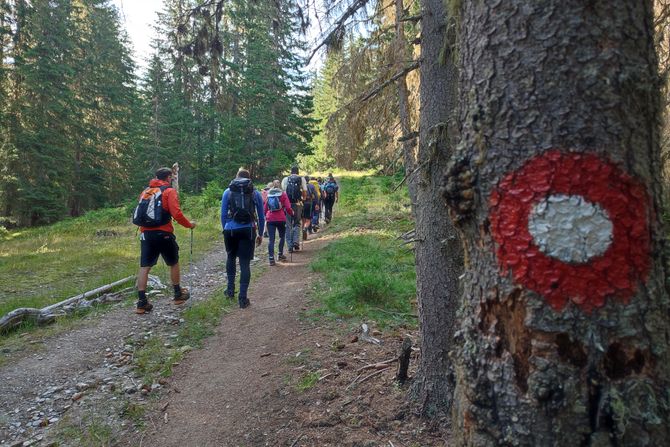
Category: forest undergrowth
<point>368,272</point>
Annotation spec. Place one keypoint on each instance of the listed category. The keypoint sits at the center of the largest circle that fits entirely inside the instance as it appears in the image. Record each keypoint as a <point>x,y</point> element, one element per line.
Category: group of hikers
<point>292,209</point>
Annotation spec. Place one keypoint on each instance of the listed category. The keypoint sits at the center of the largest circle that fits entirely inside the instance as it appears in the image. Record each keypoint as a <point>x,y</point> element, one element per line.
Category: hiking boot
<point>296,247</point>
<point>272,261</point>
<point>244,303</point>
<point>144,308</point>
<point>230,294</point>
<point>281,258</point>
<point>184,295</point>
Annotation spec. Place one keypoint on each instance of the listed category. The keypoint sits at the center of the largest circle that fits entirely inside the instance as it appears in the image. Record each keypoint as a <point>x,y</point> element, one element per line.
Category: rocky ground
<point>64,378</point>
<point>270,375</point>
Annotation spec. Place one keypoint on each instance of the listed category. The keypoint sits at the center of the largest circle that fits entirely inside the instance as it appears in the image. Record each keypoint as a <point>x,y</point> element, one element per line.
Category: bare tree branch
<point>351,10</point>
<point>413,66</point>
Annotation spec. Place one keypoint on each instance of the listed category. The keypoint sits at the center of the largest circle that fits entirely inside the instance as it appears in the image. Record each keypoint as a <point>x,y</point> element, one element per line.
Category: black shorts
<point>307,210</point>
<point>155,243</point>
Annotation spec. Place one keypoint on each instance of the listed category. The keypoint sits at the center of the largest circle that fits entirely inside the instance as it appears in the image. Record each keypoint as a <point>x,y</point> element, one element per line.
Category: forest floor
<point>271,374</point>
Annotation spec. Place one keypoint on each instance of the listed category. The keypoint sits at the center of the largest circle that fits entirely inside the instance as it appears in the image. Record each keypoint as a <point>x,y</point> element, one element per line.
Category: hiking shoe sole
<point>178,302</point>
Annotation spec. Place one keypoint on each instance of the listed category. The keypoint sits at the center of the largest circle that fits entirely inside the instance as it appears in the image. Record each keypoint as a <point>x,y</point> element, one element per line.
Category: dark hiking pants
<point>279,227</point>
<point>239,245</point>
<point>329,209</point>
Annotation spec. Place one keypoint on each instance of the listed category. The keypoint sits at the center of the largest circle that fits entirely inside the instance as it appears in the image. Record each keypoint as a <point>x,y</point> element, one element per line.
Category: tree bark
<point>439,256</point>
<point>564,328</point>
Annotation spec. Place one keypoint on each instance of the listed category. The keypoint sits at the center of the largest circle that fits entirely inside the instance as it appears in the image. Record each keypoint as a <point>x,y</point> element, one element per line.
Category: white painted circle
<point>570,228</point>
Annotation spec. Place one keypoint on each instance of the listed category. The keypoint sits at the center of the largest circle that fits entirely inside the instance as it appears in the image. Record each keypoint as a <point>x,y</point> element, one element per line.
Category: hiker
<point>332,191</point>
<point>264,194</point>
<point>296,190</point>
<point>311,201</point>
<point>276,208</point>
<point>314,225</point>
<point>322,183</point>
<point>157,236</point>
<point>243,222</point>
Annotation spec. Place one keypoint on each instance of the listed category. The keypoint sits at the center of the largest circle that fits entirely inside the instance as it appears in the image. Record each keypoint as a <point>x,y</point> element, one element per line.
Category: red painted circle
<point>615,273</point>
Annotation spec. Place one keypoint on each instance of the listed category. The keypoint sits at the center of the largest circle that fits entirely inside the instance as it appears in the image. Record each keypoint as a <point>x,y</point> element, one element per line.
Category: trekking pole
<point>190,267</point>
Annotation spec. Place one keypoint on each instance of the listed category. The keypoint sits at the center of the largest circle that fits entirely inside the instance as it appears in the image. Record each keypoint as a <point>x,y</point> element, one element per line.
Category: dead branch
<point>409,136</point>
<point>411,241</point>
<point>297,440</point>
<point>411,18</point>
<point>365,335</point>
<point>175,176</point>
<point>378,365</point>
<point>371,375</point>
<point>408,235</point>
<point>325,377</point>
<point>413,66</point>
<point>337,27</point>
<point>409,175</point>
<point>399,314</point>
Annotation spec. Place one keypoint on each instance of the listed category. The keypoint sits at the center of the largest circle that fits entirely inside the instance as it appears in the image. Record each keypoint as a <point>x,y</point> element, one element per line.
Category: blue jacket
<point>227,223</point>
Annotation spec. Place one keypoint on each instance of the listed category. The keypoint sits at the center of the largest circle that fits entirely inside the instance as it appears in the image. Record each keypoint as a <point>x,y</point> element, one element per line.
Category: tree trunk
<point>564,336</point>
<point>439,256</point>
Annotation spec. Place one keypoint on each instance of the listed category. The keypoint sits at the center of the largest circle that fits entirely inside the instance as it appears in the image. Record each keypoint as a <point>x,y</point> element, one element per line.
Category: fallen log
<point>49,313</point>
<point>90,293</point>
<point>18,316</point>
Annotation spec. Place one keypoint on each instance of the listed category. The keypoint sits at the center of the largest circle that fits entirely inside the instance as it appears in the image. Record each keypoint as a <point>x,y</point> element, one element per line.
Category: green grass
<point>307,381</point>
<point>135,412</point>
<point>41,266</point>
<point>92,432</point>
<point>368,274</point>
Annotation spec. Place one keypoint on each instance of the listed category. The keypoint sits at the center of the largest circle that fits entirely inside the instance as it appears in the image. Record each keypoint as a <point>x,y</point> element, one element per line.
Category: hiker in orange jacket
<point>160,240</point>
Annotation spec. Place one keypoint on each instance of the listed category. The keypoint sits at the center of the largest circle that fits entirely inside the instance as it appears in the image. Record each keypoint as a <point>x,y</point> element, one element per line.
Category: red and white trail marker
<point>572,227</point>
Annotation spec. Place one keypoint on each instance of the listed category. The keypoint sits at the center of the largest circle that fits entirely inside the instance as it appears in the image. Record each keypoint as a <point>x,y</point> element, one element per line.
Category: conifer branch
<point>413,66</point>
<point>337,27</point>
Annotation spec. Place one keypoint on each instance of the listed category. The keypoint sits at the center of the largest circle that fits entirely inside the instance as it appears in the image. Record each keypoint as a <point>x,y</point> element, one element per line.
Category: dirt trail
<point>56,377</point>
<point>242,388</point>
<point>224,386</point>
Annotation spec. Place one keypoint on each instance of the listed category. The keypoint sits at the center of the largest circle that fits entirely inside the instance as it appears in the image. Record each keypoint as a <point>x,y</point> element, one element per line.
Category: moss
<point>450,45</point>
<point>619,412</point>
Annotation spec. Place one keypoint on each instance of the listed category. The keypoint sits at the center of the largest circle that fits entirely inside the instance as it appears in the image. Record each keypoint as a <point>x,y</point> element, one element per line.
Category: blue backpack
<point>330,188</point>
<point>274,199</point>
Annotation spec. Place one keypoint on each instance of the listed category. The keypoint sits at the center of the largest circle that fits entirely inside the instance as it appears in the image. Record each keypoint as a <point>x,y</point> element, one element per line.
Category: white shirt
<point>284,183</point>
